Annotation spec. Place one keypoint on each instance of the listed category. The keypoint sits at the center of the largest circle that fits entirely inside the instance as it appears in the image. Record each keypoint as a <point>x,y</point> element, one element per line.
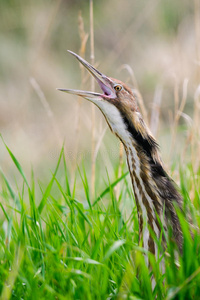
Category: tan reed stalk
<point>197,36</point>
<point>155,112</point>
<point>196,131</point>
<point>83,40</point>
<point>196,118</point>
<point>193,137</point>
<point>178,110</point>
<point>92,106</point>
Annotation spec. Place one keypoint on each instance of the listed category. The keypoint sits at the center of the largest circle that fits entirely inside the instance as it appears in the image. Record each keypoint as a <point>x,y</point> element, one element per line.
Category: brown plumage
<point>154,190</point>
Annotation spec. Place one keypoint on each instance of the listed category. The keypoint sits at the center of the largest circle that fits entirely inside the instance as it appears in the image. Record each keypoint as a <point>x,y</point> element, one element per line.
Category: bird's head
<point>117,103</point>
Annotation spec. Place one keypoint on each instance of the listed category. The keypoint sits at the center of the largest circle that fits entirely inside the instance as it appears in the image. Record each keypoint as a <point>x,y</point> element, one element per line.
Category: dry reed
<point>83,41</point>
<point>92,58</point>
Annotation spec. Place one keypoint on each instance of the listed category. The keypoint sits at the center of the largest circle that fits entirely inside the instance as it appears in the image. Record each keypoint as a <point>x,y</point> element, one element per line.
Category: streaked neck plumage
<point>154,190</point>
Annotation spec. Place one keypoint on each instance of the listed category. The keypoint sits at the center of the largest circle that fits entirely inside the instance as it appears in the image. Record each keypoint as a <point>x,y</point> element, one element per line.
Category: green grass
<point>55,246</point>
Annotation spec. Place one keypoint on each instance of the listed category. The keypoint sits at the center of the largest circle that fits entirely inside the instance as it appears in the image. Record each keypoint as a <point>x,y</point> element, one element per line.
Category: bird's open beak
<point>104,82</point>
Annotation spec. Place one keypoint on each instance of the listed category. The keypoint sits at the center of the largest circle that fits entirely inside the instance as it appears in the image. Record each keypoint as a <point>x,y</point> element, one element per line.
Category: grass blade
<point>107,190</point>
<point>116,245</point>
<point>17,164</point>
<point>48,189</point>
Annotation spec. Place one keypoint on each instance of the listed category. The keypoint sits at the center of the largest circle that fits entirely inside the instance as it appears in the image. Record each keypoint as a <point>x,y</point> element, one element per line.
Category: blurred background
<point>153,45</point>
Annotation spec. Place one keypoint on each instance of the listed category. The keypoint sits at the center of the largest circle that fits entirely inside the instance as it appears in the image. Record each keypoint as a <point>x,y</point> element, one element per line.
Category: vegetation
<point>62,248</point>
<point>60,236</point>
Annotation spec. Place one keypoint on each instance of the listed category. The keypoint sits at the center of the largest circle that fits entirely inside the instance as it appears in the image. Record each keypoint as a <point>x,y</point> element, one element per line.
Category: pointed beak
<point>104,82</point>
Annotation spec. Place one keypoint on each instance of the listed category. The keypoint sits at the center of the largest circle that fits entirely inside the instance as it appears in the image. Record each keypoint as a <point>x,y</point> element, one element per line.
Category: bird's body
<point>153,189</point>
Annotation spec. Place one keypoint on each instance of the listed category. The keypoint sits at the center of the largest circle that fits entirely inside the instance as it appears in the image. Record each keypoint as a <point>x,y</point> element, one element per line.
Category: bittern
<point>155,192</point>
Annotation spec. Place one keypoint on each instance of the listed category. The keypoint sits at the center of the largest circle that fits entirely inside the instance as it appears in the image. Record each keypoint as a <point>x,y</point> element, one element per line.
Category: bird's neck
<point>146,196</point>
<point>154,191</point>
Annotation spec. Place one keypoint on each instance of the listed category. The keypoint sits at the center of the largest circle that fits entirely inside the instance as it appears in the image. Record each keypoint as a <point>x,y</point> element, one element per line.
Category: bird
<point>155,192</point>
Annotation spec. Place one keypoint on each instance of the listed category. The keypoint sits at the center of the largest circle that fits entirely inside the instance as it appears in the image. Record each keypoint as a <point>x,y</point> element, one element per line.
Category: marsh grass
<point>58,243</point>
<point>55,246</point>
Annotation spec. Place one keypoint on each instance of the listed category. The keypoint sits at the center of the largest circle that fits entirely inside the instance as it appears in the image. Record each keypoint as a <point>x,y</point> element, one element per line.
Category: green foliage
<point>61,247</point>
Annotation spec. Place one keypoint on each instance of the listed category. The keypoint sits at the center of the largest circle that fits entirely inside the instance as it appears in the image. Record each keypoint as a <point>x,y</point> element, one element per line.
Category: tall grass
<point>58,243</point>
<point>55,246</point>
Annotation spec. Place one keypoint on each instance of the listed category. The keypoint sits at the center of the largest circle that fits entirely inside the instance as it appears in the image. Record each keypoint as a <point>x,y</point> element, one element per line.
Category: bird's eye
<point>117,87</point>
